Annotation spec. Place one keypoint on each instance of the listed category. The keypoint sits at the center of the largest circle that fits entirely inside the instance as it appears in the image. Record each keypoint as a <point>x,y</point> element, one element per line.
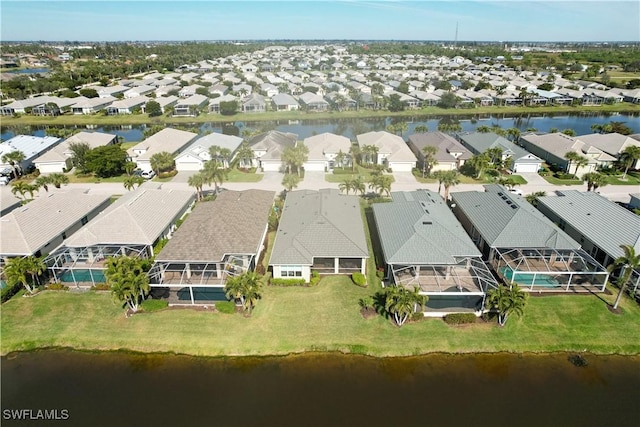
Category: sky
<point>512,20</point>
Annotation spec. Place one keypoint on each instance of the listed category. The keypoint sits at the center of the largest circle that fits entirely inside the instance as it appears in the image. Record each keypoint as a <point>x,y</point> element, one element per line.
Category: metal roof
<point>598,219</point>
<point>28,229</point>
<point>481,142</point>
<point>320,223</point>
<point>418,228</point>
<point>62,151</point>
<point>30,146</point>
<point>506,220</point>
<point>234,223</point>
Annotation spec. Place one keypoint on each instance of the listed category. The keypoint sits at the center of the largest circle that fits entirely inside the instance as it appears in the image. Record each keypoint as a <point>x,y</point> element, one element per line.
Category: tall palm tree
<point>127,279</point>
<point>57,179</point>
<point>245,156</point>
<point>43,181</point>
<point>355,151</point>
<point>16,271</point>
<point>161,162</point>
<point>429,160</point>
<point>507,300</point>
<point>359,186</point>
<point>479,163</point>
<point>130,182</point>
<point>594,180</point>
<point>245,288</point>
<point>628,157</point>
<point>628,262</point>
<point>449,179</point>
<point>345,186</point>
<point>35,267</point>
<point>290,181</point>
<point>400,302</point>
<point>340,158</point>
<point>214,173</point>
<point>23,188</point>
<point>197,181</point>
<point>14,158</point>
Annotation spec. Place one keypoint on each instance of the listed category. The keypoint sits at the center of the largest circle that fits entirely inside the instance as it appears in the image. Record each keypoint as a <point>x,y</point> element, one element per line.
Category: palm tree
<point>359,186</point>
<point>245,156</point>
<point>514,134</point>
<point>35,267</point>
<point>23,188</point>
<point>214,173</point>
<point>16,271</point>
<point>57,179</point>
<point>14,158</point>
<point>130,182</point>
<point>628,157</point>
<point>300,156</point>
<point>495,156</point>
<point>127,279</point>
<point>246,288</point>
<point>449,179</point>
<point>576,158</point>
<point>594,180</point>
<point>290,181</point>
<point>355,151</point>
<point>197,181</point>
<point>43,181</point>
<point>429,160</point>
<point>421,129</point>
<point>483,129</point>
<point>533,197</point>
<point>479,163</point>
<point>507,300</point>
<point>400,302</point>
<point>340,158</point>
<point>345,186</point>
<point>629,262</point>
<point>162,161</point>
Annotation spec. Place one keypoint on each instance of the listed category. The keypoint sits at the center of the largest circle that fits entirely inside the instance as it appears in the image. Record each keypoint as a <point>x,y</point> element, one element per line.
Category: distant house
<point>284,102</point>
<point>127,105</point>
<point>554,146</point>
<point>214,104</point>
<point>42,225</point>
<point>523,246</point>
<point>139,91</point>
<point>450,154</point>
<point>219,240</point>
<point>319,231</point>
<point>268,147</point>
<point>323,150</point>
<point>196,154</point>
<point>165,102</point>
<point>130,226</point>
<point>313,102</point>
<point>31,146</point>
<point>425,248</point>
<point>392,151</point>
<point>92,105</point>
<point>253,103</point>
<point>58,159</point>
<point>190,106</point>
<point>170,140</point>
<point>519,160</point>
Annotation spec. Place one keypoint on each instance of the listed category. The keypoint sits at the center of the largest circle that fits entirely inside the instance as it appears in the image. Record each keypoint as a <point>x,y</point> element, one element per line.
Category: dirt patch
<point>368,313</point>
<point>614,310</point>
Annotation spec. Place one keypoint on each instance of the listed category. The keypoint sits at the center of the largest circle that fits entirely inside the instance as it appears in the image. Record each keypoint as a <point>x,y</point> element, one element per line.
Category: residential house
<point>284,102</point>
<point>130,226</point>
<point>139,91</point>
<point>323,149</point>
<point>523,246</point>
<point>426,248</point>
<point>450,154</point>
<point>612,144</point>
<point>313,102</point>
<point>516,158</point>
<point>188,91</point>
<point>214,104</point>
<point>91,105</point>
<point>58,159</point>
<point>253,103</point>
<point>196,154</point>
<point>319,231</point>
<point>170,140</point>
<point>40,226</point>
<point>127,105</point>
<point>268,147</point>
<point>553,148</point>
<point>218,240</point>
<point>190,106</point>
<point>165,103</point>
<point>392,151</point>
<point>31,146</point>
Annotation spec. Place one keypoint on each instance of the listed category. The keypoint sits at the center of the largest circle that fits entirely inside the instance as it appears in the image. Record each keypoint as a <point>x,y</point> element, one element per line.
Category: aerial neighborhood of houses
<point>453,249</point>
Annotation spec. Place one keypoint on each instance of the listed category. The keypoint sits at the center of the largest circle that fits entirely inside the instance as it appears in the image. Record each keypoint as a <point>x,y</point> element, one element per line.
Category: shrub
<point>57,287</point>
<point>417,316</point>
<point>101,287</point>
<point>359,279</point>
<point>169,174</point>
<point>460,318</point>
<point>154,305</point>
<point>561,175</point>
<point>315,278</point>
<point>288,282</point>
<point>380,273</point>
<point>226,307</point>
<point>366,302</point>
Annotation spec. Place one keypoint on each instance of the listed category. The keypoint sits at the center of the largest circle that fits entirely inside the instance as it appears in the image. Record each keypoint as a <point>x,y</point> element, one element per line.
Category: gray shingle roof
<point>481,142</point>
<point>234,223</point>
<point>397,149</point>
<point>137,218</point>
<point>506,220</point>
<point>418,228</point>
<point>600,220</point>
<point>326,143</point>
<point>320,223</point>
<point>28,229</point>
<point>445,144</point>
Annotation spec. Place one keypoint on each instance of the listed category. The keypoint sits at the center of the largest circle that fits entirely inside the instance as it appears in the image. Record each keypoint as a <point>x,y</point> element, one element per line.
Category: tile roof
<point>418,228</point>
<point>388,143</point>
<point>234,223</point>
<point>320,223</point>
<point>326,143</point>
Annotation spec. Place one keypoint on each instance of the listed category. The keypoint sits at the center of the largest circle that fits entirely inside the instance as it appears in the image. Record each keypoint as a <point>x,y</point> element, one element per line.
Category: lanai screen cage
<point>469,275</point>
<point>84,267</point>
<point>550,270</point>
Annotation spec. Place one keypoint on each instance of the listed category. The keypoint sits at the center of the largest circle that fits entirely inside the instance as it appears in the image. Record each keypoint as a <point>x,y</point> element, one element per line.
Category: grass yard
<point>360,171</point>
<point>236,175</point>
<point>557,181</point>
<point>321,318</point>
<point>632,178</point>
<point>91,179</point>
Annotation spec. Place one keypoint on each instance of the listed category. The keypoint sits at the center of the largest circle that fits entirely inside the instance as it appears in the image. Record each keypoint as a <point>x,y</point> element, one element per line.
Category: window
<point>291,271</point>
<point>84,220</point>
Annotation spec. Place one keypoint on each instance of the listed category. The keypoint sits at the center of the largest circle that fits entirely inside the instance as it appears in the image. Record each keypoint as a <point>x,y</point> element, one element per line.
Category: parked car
<point>148,174</point>
<point>5,179</point>
<point>515,191</point>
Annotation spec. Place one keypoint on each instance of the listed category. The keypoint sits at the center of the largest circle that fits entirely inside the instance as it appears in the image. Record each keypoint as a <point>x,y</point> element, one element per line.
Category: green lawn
<point>556,181</point>
<point>486,179</point>
<point>632,178</point>
<point>321,318</point>
<point>75,179</point>
<point>360,171</point>
<point>236,175</point>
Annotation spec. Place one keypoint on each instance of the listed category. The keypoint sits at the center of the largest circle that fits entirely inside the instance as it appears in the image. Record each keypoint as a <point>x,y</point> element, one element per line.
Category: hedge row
<point>460,318</point>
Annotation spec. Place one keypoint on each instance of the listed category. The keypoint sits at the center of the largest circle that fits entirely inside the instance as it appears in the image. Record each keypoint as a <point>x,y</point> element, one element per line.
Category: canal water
<point>112,389</point>
<point>580,123</point>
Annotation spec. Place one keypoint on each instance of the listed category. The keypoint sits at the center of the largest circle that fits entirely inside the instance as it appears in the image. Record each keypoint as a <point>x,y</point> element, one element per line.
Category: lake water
<point>580,123</point>
<point>30,71</point>
<point>105,389</point>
